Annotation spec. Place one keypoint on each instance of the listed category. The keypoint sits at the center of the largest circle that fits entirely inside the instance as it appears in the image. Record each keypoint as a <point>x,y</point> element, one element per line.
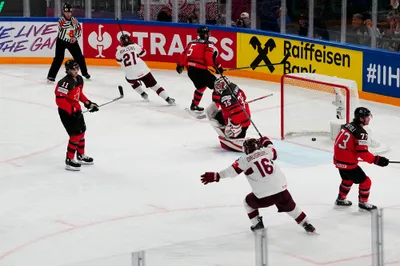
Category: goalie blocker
<point>227,116</point>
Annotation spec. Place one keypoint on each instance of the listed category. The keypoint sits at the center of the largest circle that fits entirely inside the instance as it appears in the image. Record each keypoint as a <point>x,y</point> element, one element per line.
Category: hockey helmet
<point>361,112</point>
<point>67,7</point>
<point>203,32</point>
<point>70,65</point>
<point>220,84</point>
<point>125,39</point>
<point>250,145</point>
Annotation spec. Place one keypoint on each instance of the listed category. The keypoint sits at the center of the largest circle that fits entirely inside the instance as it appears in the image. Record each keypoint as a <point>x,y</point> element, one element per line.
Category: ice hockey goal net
<point>315,104</point>
<point>310,101</point>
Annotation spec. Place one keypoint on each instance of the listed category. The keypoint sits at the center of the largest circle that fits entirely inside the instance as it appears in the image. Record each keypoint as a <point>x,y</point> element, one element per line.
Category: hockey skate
<point>84,160</point>
<point>170,101</point>
<point>365,206</point>
<point>196,111</point>
<point>71,165</point>
<point>309,228</point>
<point>340,202</point>
<point>258,226</point>
<point>87,76</point>
<point>50,80</point>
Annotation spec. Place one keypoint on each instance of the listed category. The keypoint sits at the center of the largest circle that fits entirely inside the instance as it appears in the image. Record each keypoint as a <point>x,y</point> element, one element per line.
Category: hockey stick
<point>260,98</point>
<point>233,95</point>
<point>394,161</point>
<point>266,65</point>
<point>121,95</point>
<point>120,27</point>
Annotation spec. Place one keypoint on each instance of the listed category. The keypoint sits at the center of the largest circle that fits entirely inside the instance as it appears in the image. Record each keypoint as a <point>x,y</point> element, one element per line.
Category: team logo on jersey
<point>100,41</point>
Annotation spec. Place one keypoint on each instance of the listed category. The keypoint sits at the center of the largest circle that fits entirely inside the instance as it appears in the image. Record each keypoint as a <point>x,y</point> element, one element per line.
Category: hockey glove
<point>209,177</point>
<point>381,161</point>
<point>232,130</point>
<point>93,107</point>
<point>179,68</point>
<point>264,141</point>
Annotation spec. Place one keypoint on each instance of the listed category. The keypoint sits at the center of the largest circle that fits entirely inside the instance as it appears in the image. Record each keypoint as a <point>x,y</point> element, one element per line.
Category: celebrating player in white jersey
<point>267,181</point>
<point>129,56</point>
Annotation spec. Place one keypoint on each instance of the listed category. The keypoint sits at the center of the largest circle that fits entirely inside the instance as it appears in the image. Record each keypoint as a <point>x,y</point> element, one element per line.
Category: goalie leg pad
<point>211,111</point>
<point>231,144</point>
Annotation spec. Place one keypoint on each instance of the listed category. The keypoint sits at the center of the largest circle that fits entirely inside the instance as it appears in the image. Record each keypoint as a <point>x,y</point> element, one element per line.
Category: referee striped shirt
<point>67,30</point>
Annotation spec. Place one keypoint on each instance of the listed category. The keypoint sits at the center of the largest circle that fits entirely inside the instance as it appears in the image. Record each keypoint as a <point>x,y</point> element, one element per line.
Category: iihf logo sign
<point>100,41</point>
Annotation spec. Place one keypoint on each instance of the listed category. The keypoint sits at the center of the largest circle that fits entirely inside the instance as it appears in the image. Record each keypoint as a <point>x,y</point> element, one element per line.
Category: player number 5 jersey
<point>129,57</point>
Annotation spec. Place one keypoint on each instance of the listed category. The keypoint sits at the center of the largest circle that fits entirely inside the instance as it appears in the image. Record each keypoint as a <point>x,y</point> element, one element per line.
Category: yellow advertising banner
<point>297,56</point>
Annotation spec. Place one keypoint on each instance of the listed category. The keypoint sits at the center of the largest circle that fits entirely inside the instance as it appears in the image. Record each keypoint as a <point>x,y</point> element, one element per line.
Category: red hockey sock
<point>363,190</point>
<point>72,146</point>
<point>344,188</point>
<point>81,145</point>
<point>198,95</point>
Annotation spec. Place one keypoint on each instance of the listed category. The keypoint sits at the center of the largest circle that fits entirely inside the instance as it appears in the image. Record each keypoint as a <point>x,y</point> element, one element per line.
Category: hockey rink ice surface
<point>144,191</point>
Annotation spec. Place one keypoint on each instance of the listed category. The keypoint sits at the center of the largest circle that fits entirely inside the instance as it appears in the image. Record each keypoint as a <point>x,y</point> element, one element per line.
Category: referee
<point>69,30</point>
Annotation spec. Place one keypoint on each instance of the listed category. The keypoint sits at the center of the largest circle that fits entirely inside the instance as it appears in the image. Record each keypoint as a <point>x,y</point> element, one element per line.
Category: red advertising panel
<point>163,44</point>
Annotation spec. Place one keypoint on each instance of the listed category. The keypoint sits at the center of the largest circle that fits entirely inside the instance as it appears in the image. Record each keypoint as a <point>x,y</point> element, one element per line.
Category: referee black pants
<point>76,53</point>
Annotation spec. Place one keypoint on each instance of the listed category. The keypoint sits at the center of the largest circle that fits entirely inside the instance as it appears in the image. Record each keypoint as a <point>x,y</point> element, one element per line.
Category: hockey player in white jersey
<point>267,181</point>
<point>129,56</point>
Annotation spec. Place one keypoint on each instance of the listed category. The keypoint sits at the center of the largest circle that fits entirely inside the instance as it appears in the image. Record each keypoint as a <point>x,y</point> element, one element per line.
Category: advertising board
<point>258,50</point>
<point>162,43</point>
<point>28,39</point>
<point>381,74</point>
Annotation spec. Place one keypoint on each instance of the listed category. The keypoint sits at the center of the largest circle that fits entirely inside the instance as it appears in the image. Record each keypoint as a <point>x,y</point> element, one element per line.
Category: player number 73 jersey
<point>350,144</point>
<point>129,57</point>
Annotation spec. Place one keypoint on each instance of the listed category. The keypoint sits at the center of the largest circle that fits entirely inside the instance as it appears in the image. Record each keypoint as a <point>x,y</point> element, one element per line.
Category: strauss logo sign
<point>100,41</point>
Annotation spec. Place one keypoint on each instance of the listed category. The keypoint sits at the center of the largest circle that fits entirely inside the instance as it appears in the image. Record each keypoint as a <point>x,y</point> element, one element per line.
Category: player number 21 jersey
<point>129,57</point>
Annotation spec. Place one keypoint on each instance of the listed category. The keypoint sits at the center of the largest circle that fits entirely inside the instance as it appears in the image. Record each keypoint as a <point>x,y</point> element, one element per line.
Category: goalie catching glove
<point>93,107</point>
<point>232,130</point>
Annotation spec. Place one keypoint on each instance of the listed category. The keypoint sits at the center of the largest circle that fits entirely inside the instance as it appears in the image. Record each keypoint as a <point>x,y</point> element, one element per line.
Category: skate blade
<point>198,115</point>
<point>85,163</point>
<point>364,210</point>
<point>312,233</point>
<point>70,168</point>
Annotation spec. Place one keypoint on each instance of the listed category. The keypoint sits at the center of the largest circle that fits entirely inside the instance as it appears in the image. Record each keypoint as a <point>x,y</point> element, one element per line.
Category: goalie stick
<point>121,95</point>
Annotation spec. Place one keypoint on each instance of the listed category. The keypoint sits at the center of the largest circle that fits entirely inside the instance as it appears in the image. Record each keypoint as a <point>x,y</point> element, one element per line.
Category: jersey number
<point>265,167</point>
<point>343,141</point>
<point>127,59</point>
<point>190,50</point>
<point>65,85</point>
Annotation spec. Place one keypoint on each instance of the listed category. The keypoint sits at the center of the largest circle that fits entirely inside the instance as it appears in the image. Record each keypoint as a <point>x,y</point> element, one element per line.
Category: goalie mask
<point>250,146</point>
<point>220,85</point>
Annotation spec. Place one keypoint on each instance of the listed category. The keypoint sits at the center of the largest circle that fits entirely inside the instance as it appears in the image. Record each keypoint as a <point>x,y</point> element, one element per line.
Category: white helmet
<point>220,84</point>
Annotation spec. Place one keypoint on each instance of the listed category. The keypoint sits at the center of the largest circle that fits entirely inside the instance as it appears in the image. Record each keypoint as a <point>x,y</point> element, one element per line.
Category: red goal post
<point>308,103</point>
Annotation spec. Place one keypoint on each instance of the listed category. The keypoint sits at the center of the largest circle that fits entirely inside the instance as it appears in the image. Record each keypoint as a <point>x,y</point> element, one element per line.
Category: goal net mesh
<point>310,101</point>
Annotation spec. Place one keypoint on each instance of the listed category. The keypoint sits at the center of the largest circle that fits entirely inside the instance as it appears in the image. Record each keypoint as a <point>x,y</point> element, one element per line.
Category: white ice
<point>144,191</point>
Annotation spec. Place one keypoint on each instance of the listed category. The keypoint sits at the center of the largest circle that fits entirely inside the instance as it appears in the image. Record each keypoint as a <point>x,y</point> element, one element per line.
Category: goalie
<point>229,114</point>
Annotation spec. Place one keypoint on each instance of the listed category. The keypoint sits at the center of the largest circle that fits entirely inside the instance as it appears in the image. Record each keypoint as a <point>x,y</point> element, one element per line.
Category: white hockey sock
<point>298,215</point>
<point>139,90</point>
<point>160,91</point>
<point>252,213</point>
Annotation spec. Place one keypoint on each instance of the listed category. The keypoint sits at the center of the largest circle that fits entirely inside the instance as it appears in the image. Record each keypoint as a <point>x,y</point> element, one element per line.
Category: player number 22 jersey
<point>129,57</point>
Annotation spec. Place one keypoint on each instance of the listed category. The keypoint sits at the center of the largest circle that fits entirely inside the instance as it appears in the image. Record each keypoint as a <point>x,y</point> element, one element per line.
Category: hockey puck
<point>313,139</point>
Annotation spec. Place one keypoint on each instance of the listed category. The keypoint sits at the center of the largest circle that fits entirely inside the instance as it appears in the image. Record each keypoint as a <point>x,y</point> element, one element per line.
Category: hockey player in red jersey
<point>69,92</point>
<point>352,143</point>
<point>268,183</point>
<point>229,114</point>
<point>197,57</point>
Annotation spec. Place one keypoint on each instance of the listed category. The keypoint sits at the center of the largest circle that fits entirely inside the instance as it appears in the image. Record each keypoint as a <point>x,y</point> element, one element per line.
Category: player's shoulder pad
<point>356,130</point>
<point>66,82</point>
<point>80,80</point>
